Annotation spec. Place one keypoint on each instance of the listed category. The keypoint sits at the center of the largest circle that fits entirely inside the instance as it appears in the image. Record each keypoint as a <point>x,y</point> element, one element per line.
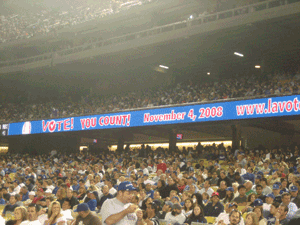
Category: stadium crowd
<point>28,24</point>
<point>235,87</point>
<point>204,184</point>
<point>48,22</point>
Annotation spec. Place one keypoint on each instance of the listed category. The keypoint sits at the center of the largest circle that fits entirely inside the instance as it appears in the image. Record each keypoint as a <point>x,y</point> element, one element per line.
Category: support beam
<point>236,136</point>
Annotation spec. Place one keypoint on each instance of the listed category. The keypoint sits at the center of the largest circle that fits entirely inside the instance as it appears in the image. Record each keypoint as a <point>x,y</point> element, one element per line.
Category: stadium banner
<point>217,111</point>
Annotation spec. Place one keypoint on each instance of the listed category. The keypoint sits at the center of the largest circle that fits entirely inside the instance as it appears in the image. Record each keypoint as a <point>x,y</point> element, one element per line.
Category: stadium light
<point>164,67</point>
<point>208,73</point>
<point>238,54</point>
<point>257,66</point>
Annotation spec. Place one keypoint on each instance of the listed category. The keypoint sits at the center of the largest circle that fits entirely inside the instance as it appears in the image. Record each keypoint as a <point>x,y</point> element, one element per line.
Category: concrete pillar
<point>120,144</point>
<point>236,136</point>
<point>172,140</point>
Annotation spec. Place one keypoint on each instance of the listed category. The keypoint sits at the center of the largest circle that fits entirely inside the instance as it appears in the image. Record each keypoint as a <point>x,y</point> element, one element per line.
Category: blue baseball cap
<point>275,187</point>
<point>258,177</point>
<point>293,188</point>
<point>126,186</point>
<point>232,204</point>
<point>82,207</point>
<point>258,202</point>
<point>270,196</point>
<point>176,198</point>
<point>230,189</point>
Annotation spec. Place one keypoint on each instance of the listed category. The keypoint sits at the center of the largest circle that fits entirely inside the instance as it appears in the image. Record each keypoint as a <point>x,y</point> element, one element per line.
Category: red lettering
<point>88,123</point>
<point>82,121</point>
<point>106,120</point>
<point>119,119</point>
<point>52,126</point>
<point>289,106</point>
<point>124,119</point>
<point>295,104</point>
<point>45,126</point>
<point>93,121</point>
<point>128,119</point>
<point>112,120</point>
<point>101,121</point>
<point>67,124</point>
<point>59,124</point>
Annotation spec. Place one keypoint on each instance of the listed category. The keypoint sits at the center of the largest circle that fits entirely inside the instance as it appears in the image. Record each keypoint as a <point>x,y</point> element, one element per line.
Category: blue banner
<point>231,110</point>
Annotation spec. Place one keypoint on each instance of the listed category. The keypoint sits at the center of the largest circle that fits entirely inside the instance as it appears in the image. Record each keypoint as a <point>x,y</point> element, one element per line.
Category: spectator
<point>241,200</point>
<point>292,208</point>
<point>54,214</point>
<point>85,216</point>
<point>176,216</point>
<point>214,208</point>
<point>9,208</point>
<point>251,219</point>
<point>197,216</point>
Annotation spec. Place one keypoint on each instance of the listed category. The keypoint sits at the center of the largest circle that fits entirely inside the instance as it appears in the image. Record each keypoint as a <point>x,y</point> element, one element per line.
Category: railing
<point>98,43</point>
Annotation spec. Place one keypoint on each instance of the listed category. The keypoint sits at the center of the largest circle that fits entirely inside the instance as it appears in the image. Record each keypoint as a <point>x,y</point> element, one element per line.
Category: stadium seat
<point>210,219</point>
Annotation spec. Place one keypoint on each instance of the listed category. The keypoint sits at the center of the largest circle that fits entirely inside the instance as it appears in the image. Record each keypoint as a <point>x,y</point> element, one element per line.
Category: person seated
<point>214,208</point>
<point>20,215</point>
<point>10,207</point>
<point>167,207</point>
<point>55,217</point>
<point>176,216</point>
<point>241,200</point>
<point>197,216</point>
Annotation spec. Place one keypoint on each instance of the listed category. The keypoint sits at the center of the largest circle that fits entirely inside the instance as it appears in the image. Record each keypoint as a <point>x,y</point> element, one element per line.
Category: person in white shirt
<point>225,215</point>
<point>207,189</point>
<point>119,210</point>
<point>112,190</point>
<point>175,216</point>
<point>32,215</point>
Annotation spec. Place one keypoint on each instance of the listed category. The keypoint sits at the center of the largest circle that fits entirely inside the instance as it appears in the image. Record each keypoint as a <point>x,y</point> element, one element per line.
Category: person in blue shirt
<point>25,193</point>
<point>75,185</point>
<point>149,191</point>
<point>93,202</point>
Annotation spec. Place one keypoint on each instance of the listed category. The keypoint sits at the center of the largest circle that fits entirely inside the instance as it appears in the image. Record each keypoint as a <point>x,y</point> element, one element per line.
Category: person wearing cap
<point>31,195</point>
<point>175,216</point>
<point>292,207</point>
<point>267,205</point>
<point>85,216</point>
<point>165,209</point>
<point>241,200</point>
<point>295,198</point>
<point>214,208</point>
<point>118,209</point>
<point>276,192</point>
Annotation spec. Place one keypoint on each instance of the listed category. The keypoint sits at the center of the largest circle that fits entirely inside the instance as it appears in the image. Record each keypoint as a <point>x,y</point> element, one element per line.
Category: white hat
<point>31,193</point>
<point>48,191</point>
